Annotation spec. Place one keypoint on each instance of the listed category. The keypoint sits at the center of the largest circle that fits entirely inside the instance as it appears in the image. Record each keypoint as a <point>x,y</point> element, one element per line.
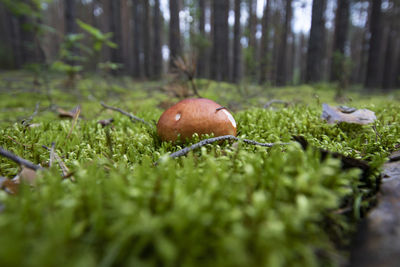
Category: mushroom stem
<point>204,142</point>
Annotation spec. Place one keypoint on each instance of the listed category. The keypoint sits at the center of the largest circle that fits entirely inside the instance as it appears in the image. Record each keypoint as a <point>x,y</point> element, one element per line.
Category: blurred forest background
<point>271,42</point>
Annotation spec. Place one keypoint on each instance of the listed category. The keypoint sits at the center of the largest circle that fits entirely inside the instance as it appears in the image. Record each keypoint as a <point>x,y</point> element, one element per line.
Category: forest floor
<point>108,193</point>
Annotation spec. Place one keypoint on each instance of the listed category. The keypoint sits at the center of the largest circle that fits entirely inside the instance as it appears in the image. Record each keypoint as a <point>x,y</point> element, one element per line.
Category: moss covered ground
<point>222,205</point>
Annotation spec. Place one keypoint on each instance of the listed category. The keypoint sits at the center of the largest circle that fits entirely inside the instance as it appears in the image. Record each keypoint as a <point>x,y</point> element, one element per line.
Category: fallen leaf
<point>347,114</point>
<point>26,175</point>
<point>8,186</point>
<point>69,114</point>
<point>106,122</point>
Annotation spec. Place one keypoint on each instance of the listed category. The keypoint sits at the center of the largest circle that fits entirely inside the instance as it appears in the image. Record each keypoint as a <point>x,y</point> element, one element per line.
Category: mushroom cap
<point>195,115</point>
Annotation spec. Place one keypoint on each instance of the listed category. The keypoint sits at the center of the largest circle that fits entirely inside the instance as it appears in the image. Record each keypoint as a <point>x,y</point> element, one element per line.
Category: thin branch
<point>194,87</point>
<point>204,142</point>
<point>74,120</point>
<point>15,141</point>
<point>132,117</point>
<point>64,169</point>
<point>252,142</point>
<point>275,101</point>
<point>26,122</point>
<point>52,153</point>
<point>19,160</point>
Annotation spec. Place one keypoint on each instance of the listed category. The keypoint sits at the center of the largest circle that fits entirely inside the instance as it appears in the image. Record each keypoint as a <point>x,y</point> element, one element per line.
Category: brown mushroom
<point>196,115</point>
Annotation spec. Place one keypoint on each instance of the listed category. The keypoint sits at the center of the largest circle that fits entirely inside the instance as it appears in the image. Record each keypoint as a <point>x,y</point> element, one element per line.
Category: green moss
<point>222,205</point>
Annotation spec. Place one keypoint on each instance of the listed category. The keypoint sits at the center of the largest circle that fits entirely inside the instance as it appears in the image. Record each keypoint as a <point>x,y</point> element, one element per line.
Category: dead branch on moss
<point>74,120</point>
<point>19,160</point>
<point>204,142</point>
<point>64,169</point>
<point>52,154</point>
<point>15,141</point>
<point>69,114</point>
<point>132,117</point>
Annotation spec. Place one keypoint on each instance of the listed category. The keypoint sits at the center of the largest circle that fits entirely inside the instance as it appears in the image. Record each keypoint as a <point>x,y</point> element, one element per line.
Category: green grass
<point>222,205</point>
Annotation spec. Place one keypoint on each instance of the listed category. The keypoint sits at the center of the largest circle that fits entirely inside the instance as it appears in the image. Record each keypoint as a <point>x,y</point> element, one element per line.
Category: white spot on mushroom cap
<point>178,116</point>
<point>230,117</point>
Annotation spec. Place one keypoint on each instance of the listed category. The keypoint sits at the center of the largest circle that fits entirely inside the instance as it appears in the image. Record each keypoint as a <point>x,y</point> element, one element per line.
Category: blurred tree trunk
<point>291,59</point>
<point>93,8</point>
<point>364,49</point>
<point>29,27</point>
<point>252,22</point>
<point>276,23</point>
<point>373,74</point>
<point>281,77</point>
<point>316,42</point>
<point>116,29</point>
<point>157,52</point>
<point>237,48</point>
<point>388,72</point>
<point>264,43</point>
<point>137,38</point>
<point>11,42</point>
<point>70,24</point>
<point>220,50</point>
<point>201,55</point>
<point>356,40</point>
<point>147,39</point>
<point>24,29</point>
<point>174,32</point>
<point>340,38</point>
<point>392,54</point>
<point>251,35</point>
<point>70,16</point>
<point>397,72</point>
<point>303,57</point>
<point>127,49</point>
<point>226,65</point>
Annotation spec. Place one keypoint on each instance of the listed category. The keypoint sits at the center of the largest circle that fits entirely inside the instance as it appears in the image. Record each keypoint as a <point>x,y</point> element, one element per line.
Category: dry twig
<point>52,152</point>
<point>15,141</point>
<point>19,160</point>
<point>64,169</point>
<point>132,117</point>
<point>204,142</point>
<point>74,120</point>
